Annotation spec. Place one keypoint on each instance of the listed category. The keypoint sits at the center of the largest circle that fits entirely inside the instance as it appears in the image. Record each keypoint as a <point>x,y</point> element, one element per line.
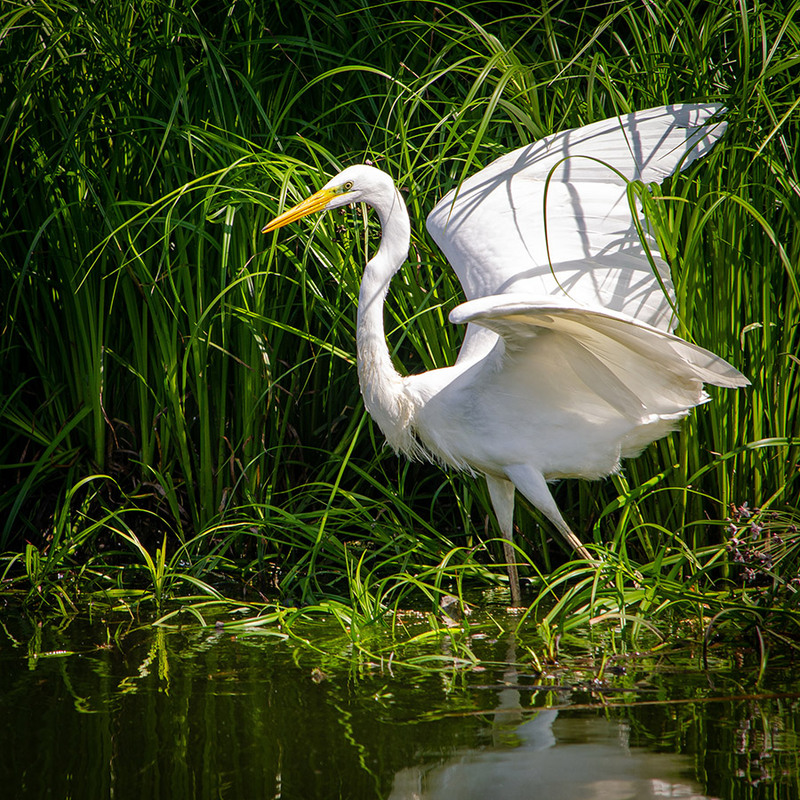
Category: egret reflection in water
<point>558,758</point>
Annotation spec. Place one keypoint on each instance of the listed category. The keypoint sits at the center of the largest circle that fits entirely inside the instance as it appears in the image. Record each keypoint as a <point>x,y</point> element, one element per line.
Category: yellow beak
<point>316,202</point>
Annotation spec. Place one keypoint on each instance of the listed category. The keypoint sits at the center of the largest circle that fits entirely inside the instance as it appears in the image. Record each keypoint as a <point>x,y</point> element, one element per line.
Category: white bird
<point>568,362</point>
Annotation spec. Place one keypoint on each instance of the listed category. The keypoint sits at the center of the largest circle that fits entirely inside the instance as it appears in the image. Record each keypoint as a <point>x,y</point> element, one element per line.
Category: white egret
<point>568,362</point>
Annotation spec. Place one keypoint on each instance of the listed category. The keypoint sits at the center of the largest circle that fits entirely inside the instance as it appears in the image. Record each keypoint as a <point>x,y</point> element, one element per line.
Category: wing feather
<point>635,368</point>
<point>492,228</point>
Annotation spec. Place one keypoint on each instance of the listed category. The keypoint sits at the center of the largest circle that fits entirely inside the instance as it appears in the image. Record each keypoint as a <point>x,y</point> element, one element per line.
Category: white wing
<point>641,372</point>
<point>492,228</point>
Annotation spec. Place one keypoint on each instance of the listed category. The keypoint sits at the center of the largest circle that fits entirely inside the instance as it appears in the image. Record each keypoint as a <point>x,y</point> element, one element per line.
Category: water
<point>126,711</point>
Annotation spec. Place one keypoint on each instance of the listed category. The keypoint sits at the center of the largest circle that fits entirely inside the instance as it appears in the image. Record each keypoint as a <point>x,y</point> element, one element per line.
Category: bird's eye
<point>348,186</point>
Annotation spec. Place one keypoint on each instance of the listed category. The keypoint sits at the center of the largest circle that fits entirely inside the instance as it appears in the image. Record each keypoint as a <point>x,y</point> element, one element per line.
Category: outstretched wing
<point>492,228</point>
<point>638,370</point>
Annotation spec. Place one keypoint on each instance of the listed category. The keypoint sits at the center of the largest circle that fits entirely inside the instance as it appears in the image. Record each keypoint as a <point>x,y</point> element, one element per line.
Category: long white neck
<point>381,384</point>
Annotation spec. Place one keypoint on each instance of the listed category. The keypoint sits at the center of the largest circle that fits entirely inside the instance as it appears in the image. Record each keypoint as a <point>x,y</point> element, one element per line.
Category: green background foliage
<point>174,382</point>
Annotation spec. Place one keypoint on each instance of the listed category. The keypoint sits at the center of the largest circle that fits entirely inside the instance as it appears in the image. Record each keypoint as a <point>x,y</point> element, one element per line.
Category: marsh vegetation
<point>181,423</point>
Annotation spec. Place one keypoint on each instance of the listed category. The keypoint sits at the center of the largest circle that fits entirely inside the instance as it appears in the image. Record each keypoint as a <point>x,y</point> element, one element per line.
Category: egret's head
<point>352,185</point>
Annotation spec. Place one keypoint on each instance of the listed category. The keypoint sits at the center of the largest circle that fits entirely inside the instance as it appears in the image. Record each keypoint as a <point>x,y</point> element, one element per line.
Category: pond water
<point>132,711</point>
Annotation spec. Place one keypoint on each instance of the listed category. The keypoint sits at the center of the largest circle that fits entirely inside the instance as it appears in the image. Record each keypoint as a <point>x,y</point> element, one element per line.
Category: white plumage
<point>568,363</point>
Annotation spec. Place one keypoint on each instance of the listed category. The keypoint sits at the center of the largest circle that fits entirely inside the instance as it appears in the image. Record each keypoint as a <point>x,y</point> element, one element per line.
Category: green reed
<point>179,395</point>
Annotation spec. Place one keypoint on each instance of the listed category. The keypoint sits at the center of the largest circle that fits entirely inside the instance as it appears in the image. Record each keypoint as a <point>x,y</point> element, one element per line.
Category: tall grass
<point>151,334</point>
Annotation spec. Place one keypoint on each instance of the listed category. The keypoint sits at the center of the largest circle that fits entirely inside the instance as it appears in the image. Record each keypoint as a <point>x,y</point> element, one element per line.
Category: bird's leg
<point>532,484</point>
<point>502,494</point>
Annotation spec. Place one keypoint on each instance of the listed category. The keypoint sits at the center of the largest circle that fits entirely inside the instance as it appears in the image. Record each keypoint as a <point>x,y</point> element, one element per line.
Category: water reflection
<point>559,757</point>
<point>200,713</point>
<point>556,757</point>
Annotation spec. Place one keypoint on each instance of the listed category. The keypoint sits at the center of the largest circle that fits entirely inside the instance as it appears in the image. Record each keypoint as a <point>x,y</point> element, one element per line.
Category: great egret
<point>568,362</point>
